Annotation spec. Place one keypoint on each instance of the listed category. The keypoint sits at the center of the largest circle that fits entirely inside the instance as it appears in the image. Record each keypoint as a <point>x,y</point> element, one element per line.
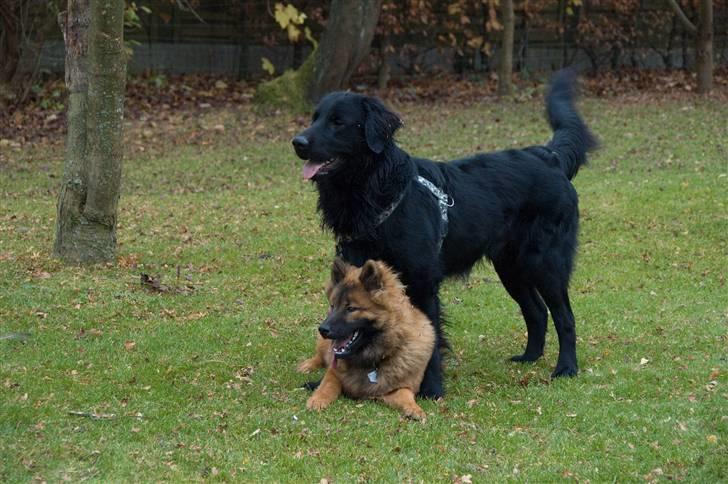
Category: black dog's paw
<point>526,357</point>
<point>431,391</point>
<point>565,370</point>
<point>311,385</point>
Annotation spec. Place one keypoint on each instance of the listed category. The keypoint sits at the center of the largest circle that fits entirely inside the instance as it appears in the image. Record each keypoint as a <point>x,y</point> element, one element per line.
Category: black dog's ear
<point>338,271</point>
<point>370,276</point>
<point>380,124</point>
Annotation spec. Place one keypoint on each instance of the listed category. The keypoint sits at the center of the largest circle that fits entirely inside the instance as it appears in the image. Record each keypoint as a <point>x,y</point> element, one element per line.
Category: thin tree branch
<point>689,26</point>
<point>185,6</point>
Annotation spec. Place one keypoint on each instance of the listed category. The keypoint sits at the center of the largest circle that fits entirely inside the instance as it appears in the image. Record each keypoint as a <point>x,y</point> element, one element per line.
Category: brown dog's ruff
<point>390,368</point>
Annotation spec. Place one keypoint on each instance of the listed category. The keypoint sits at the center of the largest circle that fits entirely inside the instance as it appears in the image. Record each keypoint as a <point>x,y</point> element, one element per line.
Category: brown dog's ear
<point>371,277</point>
<point>380,124</point>
<point>338,271</point>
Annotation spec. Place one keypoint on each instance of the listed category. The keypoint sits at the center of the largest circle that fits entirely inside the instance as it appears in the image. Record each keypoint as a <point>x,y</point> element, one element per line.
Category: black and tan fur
<point>392,338</point>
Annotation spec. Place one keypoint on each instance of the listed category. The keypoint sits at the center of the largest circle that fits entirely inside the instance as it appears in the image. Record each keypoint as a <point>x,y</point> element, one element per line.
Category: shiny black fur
<point>518,208</point>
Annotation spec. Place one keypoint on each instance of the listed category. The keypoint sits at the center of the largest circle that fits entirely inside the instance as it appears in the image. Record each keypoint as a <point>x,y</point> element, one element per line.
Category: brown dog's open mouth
<point>311,169</point>
<point>342,347</point>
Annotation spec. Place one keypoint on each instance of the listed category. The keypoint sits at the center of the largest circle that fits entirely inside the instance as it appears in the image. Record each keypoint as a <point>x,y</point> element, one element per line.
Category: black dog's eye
<point>336,121</point>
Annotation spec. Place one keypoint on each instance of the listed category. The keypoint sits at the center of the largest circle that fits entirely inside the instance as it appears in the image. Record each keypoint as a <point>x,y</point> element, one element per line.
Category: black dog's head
<point>345,128</point>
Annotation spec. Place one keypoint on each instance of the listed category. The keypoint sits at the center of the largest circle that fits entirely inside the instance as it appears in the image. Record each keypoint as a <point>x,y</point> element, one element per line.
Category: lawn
<point>198,381</point>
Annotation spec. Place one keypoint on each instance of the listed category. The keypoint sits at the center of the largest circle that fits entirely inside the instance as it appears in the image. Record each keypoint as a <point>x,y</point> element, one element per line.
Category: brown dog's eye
<point>351,309</point>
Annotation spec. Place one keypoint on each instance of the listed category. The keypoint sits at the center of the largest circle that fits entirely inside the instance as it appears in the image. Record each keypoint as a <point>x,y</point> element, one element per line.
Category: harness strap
<point>444,201</point>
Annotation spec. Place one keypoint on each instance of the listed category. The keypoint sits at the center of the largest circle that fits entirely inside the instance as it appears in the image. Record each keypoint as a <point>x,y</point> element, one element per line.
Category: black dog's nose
<point>324,330</point>
<point>300,144</point>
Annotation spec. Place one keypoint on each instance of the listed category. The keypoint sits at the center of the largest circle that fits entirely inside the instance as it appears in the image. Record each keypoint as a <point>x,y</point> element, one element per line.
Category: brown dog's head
<point>364,302</point>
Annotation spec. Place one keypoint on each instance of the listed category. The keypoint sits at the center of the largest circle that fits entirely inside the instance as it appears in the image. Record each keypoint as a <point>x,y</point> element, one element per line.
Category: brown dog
<point>374,343</point>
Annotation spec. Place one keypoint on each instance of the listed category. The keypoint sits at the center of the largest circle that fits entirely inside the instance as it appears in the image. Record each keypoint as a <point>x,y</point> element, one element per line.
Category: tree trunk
<point>384,73</point>
<point>704,47</point>
<point>505,71</point>
<point>346,41</point>
<point>703,33</point>
<point>96,76</point>
<point>344,44</point>
<point>10,47</point>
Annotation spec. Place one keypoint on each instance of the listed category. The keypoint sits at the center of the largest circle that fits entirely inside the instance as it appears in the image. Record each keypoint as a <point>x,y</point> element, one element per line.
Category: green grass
<point>212,372</point>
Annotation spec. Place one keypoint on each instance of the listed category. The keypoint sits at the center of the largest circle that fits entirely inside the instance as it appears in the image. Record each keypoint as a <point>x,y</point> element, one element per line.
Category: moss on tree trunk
<point>288,91</point>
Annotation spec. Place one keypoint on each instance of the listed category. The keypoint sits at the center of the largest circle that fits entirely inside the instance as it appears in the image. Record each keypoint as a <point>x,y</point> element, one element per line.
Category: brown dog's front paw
<point>316,403</point>
<point>415,413</point>
<point>307,366</point>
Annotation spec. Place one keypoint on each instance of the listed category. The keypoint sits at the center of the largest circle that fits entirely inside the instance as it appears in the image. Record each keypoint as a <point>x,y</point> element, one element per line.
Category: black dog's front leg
<point>432,386</point>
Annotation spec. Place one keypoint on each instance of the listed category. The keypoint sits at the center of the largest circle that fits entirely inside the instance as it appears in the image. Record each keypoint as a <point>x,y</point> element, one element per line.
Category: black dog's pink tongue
<point>310,169</point>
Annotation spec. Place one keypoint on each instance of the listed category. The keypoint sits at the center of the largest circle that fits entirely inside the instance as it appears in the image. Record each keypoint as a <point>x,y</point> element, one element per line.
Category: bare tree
<point>505,70</point>
<point>96,77</point>
<point>703,34</point>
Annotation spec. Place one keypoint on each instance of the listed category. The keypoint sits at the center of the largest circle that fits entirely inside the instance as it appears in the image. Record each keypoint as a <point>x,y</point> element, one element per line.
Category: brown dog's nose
<point>324,329</point>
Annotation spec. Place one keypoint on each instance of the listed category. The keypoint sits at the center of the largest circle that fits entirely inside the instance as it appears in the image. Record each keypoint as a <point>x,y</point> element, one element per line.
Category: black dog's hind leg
<point>533,309</point>
<point>557,300</point>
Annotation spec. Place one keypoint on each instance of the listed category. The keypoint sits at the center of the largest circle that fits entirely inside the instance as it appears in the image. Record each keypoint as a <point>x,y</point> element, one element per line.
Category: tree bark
<point>704,47</point>
<point>505,70</point>
<point>96,76</point>
<point>10,48</point>
<point>346,41</point>
<point>344,44</point>
<point>703,33</point>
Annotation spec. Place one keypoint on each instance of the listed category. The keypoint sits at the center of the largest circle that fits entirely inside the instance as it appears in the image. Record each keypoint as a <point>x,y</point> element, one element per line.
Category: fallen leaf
<point>129,345</point>
<point>644,361</point>
<point>153,284</point>
<point>713,439</point>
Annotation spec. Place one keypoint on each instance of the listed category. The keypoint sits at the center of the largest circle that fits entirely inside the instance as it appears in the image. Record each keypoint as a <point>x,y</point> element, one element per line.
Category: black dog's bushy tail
<point>572,139</point>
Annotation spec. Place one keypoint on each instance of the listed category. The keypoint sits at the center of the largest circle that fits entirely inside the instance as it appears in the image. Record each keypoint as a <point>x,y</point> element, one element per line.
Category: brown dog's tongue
<point>310,169</point>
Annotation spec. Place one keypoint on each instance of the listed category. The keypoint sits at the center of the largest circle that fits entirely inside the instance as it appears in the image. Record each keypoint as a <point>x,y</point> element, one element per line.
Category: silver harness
<point>444,202</point>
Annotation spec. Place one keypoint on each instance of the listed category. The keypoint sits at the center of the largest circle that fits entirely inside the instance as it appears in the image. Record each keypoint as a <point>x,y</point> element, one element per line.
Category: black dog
<point>430,220</point>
